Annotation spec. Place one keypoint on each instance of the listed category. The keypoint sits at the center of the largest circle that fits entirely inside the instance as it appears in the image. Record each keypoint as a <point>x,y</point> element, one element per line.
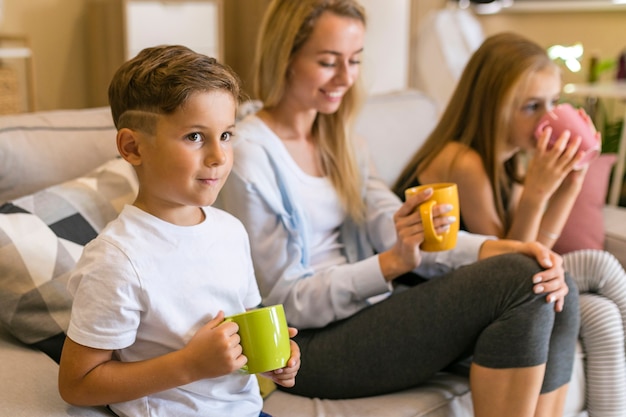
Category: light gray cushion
<point>443,396</point>
<point>584,228</point>
<point>45,148</point>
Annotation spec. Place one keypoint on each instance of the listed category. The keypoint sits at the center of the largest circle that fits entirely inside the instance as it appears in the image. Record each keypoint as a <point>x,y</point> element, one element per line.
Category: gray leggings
<point>486,309</point>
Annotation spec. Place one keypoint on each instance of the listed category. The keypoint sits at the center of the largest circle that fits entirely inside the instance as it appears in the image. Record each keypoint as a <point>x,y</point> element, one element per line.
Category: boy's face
<point>186,162</point>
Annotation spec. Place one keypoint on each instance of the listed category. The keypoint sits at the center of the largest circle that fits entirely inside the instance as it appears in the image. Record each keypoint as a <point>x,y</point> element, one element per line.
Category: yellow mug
<point>264,338</point>
<point>443,193</point>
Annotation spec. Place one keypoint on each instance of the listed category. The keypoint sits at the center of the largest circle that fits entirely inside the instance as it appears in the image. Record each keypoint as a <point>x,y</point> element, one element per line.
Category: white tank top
<point>324,214</point>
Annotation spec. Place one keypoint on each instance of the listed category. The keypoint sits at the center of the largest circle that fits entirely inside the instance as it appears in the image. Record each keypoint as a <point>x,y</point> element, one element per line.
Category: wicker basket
<point>9,91</point>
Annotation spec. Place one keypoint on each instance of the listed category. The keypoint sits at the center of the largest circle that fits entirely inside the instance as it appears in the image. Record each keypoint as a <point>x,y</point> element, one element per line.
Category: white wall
<point>386,55</point>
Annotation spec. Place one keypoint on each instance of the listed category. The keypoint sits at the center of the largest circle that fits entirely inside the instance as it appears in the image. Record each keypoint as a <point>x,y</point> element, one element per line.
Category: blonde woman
<point>328,240</point>
<point>516,187</point>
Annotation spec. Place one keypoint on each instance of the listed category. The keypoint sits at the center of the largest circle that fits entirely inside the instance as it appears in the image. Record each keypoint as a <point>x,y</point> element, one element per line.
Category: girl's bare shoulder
<point>461,157</point>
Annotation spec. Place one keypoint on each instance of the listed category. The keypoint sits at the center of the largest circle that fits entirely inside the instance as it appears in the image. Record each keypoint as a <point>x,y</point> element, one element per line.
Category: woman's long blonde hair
<point>480,112</point>
<point>287,25</point>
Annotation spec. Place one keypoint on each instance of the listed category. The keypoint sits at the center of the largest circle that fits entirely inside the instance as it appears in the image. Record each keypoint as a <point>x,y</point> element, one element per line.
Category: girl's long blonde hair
<point>287,25</point>
<point>480,112</point>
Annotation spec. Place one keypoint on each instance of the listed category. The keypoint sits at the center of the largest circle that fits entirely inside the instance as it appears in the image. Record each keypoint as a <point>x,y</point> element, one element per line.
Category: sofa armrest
<point>615,232</point>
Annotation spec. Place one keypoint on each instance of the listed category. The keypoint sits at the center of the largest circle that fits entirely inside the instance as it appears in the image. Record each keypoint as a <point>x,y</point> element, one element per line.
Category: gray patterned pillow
<point>42,236</point>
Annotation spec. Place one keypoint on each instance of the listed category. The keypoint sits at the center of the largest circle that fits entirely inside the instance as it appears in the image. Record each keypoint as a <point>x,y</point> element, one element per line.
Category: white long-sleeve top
<point>259,192</point>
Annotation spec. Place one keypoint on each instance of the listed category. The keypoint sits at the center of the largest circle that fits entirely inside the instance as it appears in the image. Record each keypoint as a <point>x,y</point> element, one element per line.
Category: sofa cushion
<point>584,228</point>
<point>45,148</point>
<point>29,384</point>
<point>41,238</point>
<point>443,395</point>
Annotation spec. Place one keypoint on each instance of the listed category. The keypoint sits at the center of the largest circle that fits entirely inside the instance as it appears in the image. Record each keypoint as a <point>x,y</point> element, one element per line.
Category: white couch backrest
<point>395,125</point>
<point>447,38</point>
<point>45,148</point>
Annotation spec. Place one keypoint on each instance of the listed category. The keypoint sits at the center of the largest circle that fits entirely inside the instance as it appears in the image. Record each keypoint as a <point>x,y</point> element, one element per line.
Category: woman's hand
<point>550,281</point>
<point>405,255</point>
<point>287,376</point>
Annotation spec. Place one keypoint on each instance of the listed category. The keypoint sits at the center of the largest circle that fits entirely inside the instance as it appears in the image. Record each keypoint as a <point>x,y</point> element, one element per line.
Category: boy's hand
<point>287,376</point>
<point>215,349</point>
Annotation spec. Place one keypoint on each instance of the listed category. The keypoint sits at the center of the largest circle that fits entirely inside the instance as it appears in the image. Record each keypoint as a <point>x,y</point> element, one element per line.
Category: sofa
<point>59,176</point>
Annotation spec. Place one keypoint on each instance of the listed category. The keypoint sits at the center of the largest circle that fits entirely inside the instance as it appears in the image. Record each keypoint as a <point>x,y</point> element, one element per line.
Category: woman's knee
<point>513,271</point>
<point>515,266</point>
<point>569,317</point>
<point>521,269</point>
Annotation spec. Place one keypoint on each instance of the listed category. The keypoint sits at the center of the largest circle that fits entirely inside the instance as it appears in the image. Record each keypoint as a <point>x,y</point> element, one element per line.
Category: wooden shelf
<point>564,6</point>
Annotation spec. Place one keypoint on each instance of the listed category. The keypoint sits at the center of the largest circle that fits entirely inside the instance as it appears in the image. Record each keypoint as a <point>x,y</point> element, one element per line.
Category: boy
<point>147,334</point>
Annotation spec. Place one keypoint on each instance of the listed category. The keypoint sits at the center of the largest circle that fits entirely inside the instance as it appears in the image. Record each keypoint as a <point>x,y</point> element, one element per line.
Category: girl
<point>516,187</point>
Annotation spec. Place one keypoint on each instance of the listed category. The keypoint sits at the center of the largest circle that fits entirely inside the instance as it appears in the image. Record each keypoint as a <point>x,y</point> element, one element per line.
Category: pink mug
<point>565,117</point>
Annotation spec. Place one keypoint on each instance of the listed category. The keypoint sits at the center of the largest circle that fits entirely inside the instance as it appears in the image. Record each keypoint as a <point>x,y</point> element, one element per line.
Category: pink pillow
<point>584,228</point>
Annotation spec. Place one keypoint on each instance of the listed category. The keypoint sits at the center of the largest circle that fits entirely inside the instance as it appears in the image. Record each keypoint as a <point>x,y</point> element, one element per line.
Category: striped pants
<point>601,282</point>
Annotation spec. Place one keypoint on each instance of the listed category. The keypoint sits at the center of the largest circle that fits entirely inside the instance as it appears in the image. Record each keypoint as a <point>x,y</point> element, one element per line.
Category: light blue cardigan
<point>258,192</point>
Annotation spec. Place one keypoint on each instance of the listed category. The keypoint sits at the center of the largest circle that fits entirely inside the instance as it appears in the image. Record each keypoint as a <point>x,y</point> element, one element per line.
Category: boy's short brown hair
<point>160,79</point>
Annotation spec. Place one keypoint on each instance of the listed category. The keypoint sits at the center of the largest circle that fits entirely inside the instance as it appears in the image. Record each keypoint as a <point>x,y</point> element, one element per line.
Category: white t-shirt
<point>144,287</point>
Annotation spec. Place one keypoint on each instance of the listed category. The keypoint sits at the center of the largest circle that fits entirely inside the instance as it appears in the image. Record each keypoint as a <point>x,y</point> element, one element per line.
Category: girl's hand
<point>589,122</point>
<point>549,166</point>
<point>597,136</point>
<point>287,376</point>
<point>575,178</point>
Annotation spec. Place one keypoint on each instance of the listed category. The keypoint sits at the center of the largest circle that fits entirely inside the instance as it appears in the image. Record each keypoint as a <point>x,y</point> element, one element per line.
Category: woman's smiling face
<point>326,65</point>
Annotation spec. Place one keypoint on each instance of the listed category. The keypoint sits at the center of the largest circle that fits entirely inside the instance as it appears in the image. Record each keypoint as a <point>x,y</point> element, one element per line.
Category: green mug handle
<point>426,212</point>
<point>243,369</point>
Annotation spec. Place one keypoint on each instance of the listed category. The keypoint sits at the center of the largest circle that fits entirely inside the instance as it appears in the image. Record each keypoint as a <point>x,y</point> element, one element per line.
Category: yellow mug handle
<point>426,212</point>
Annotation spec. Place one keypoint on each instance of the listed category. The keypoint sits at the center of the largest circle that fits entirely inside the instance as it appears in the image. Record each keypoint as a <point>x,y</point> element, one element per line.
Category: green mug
<point>264,338</point>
